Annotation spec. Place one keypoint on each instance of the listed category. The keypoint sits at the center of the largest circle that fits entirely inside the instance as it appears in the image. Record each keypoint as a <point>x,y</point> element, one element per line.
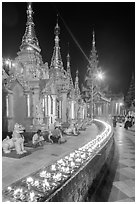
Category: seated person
<point>71,130</point>
<point>56,135</point>
<point>37,139</point>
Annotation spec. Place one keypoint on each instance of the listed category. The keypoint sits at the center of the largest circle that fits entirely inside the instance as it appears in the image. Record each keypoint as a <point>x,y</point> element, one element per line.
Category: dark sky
<point>113,22</point>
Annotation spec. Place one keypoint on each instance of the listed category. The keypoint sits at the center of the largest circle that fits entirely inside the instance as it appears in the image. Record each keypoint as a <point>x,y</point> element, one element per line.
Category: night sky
<point>113,23</point>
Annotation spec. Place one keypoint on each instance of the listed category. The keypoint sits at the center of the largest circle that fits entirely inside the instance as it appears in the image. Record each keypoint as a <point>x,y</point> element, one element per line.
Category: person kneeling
<point>37,139</point>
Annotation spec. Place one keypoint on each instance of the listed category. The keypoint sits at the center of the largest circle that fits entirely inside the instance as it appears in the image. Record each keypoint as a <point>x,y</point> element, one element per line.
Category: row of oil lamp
<point>42,183</point>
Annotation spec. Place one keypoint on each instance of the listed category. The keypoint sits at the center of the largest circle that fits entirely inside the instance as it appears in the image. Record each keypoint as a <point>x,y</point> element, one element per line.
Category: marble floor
<point>118,184</point>
<point>123,187</point>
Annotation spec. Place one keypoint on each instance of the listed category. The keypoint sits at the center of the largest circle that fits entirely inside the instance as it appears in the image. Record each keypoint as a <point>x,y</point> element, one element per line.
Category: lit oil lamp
<point>70,159</point>
<point>43,174</point>
<point>36,183</point>
<point>46,184</point>
<point>83,156</point>
<point>29,182</point>
<point>57,176</point>
<point>17,193</point>
<point>66,157</point>
<point>72,154</point>
<point>67,170</point>
<point>78,160</point>
<point>31,196</point>
<point>72,164</point>
<point>9,188</point>
<point>53,167</point>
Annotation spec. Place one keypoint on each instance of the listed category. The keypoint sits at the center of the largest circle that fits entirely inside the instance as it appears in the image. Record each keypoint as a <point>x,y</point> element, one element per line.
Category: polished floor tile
<point>126,155</point>
<point>116,194</point>
<point>128,172</point>
<point>123,187</point>
<point>127,162</point>
<point>121,166</point>
<point>126,187</point>
<point>120,177</point>
<point>125,200</point>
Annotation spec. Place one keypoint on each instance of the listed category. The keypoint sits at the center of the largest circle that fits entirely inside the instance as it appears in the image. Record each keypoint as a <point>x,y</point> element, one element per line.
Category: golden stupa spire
<point>71,86</point>
<point>77,91</point>
<point>56,61</point>
<point>29,40</point>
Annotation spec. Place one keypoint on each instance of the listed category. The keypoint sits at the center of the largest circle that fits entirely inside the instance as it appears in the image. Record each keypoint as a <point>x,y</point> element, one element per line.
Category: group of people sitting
<point>56,135</point>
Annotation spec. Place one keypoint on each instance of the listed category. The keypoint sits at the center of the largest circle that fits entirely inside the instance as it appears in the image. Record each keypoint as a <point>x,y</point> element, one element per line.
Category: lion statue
<point>17,140</point>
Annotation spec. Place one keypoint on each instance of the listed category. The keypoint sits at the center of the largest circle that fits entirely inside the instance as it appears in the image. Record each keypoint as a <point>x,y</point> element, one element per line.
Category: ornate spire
<point>71,86</point>
<point>93,58</point>
<point>68,60</point>
<point>77,91</point>
<point>93,41</point>
<point>29,40</point>
<point>56,61</point>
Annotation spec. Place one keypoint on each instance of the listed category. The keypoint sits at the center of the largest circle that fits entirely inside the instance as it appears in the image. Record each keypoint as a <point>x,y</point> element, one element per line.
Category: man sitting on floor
<point>37,139</point>
<point>56,136</point>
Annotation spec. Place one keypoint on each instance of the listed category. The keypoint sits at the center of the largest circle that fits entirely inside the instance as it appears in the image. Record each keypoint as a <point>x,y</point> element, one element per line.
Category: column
<point>49,105</point>
<point>28,105</point>
<point>10,112</point>
<point>7,106</point>
<point>60,109</point>
<point>64,107</point>
<point>35,100</point>
<point>11,107</point>
<point>72,110</point>
<point>45,105</point>
<point>54,104</point>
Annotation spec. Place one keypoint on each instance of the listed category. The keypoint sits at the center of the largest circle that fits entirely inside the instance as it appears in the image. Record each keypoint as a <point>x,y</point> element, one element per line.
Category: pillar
<point>60,109</point>
<point>35,101</point>
<point>72,110</point>
<point>64,107</point>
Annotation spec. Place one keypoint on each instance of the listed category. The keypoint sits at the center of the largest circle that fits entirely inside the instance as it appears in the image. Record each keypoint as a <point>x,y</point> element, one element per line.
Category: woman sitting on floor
<point>37,139</point>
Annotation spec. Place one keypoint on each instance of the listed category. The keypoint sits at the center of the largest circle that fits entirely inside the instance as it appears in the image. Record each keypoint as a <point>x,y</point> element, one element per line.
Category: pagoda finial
<point>93,58</point>
<point>29,40</point>
<point>77,91</point>
<point>93,40</point>
<point>77,73</point>
<point>71,86</point>
<point>76,80</point>
<point>57,28</point>
<point>68,59</point>
<point>56,60</point>
<point>30,11</point>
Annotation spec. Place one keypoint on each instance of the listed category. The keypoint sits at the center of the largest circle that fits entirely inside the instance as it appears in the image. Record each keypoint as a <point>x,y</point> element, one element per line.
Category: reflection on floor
<point>118,184</point>
<point>123,189</point>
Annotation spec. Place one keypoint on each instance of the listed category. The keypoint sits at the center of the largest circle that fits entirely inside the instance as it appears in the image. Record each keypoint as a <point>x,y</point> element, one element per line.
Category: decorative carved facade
<point>34,94</point>
<point>37,95</point>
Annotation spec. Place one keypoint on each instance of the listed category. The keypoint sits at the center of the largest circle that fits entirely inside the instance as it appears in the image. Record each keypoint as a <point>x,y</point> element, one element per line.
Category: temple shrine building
<point>34,94</point>
<point>37,95</point>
